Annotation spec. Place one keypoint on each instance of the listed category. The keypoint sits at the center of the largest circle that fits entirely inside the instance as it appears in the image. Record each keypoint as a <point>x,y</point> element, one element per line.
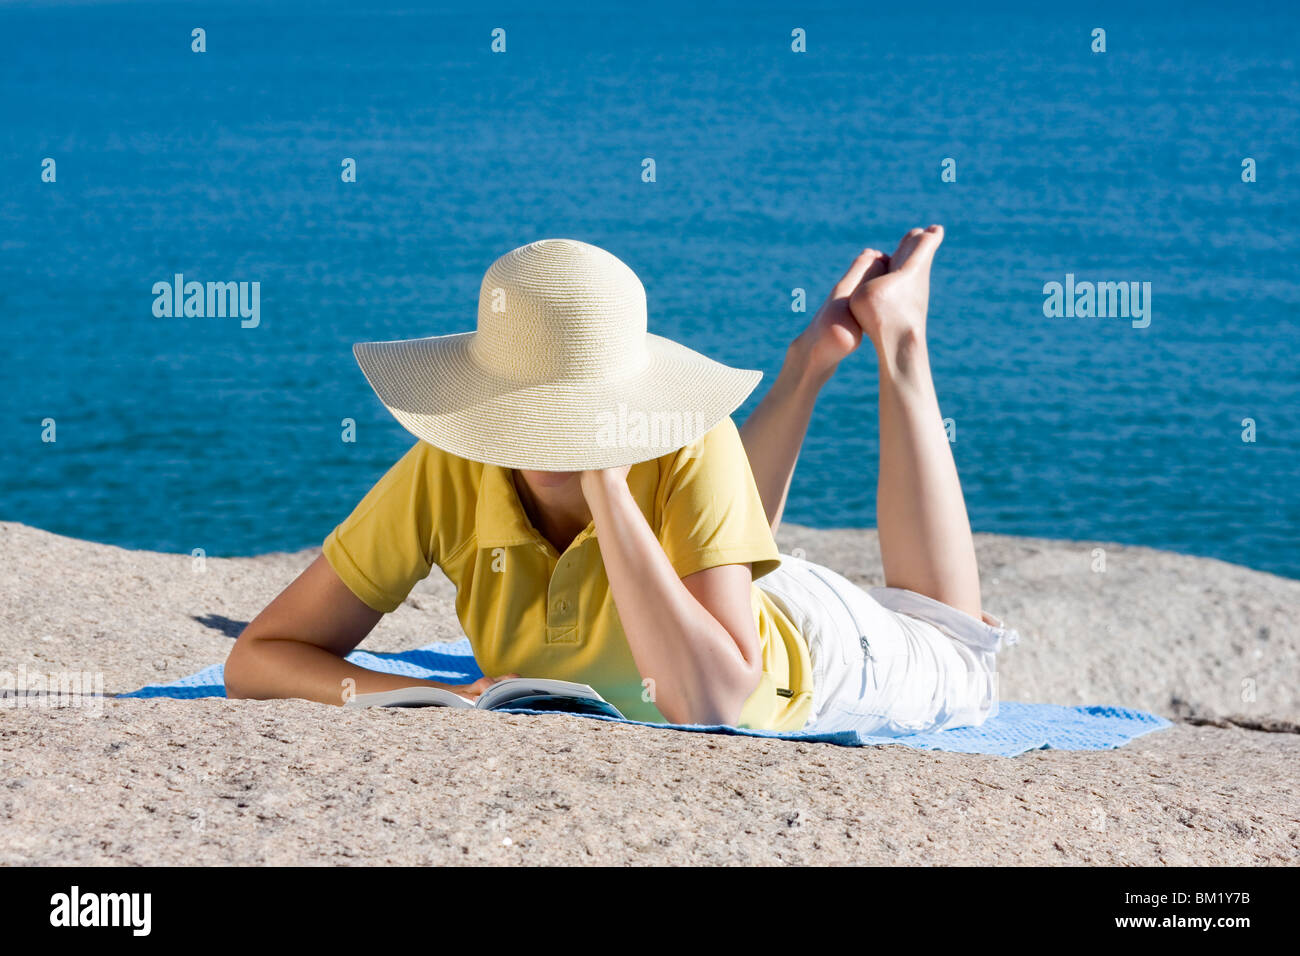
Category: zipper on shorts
<point>862,638</point>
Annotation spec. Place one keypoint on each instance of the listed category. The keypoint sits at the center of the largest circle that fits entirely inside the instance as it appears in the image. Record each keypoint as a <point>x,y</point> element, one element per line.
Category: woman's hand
<point>476,690</point>
<point>598,482</point>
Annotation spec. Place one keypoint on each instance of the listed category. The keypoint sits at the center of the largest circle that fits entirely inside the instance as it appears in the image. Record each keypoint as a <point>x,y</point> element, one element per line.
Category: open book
<point>513,693</point>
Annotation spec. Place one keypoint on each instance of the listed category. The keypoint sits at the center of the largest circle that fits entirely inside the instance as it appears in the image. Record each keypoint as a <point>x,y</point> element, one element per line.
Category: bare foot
<point>890,309</point>
<point>834,332</point>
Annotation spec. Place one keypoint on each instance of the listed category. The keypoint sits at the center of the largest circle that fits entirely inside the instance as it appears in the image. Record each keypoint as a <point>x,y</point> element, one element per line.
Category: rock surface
<point>214,781</point>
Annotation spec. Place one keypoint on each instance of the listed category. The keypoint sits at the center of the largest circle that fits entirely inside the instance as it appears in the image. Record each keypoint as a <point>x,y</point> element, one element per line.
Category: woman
<point>583,486</point>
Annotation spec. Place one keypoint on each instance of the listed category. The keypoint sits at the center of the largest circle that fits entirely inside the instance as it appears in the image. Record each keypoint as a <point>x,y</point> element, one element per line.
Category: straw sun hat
<point>560,375</point>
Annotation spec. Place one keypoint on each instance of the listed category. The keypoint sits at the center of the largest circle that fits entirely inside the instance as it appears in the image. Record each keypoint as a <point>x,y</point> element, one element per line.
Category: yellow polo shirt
<point>530,610</point>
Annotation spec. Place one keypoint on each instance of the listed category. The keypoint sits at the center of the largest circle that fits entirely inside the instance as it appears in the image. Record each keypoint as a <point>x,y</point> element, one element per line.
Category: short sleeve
<point>712,513</point>
<point>403,526</point>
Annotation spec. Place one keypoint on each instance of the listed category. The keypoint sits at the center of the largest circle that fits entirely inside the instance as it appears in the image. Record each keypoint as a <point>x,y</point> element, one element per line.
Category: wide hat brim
<point>439,393</point>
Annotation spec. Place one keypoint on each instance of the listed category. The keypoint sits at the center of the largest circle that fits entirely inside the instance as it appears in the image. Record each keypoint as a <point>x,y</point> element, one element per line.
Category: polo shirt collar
<point>499,517</point>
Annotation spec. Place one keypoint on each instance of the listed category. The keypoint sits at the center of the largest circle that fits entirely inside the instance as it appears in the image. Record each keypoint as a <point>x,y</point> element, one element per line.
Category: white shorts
<point>888,662</point>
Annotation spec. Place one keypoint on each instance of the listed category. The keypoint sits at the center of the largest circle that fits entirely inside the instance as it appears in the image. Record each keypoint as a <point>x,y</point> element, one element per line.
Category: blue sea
<point>773,168</point>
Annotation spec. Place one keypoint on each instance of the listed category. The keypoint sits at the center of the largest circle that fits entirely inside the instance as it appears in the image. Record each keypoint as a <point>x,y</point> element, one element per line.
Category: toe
<point>868,261</point>
<point>927,243</point>
<point>877,265</point>
<point>905,246</point>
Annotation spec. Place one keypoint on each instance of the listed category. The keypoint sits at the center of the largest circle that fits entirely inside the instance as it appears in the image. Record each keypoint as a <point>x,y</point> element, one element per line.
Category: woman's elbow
<point>726,703</point>
<point>747,682</point>
<point>240,668</point>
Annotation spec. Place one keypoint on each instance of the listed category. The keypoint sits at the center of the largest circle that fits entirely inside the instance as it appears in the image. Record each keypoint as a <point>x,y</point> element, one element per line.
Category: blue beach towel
<point>1017,728</point>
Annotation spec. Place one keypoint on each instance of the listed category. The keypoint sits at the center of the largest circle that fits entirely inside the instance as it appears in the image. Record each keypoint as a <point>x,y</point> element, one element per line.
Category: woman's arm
<point>296,646</point>
<point>694,637</point>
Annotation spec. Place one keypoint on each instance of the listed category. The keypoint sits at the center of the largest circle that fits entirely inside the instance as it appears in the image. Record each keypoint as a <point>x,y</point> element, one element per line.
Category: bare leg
<point>925,537</point>
<point>775,430</point>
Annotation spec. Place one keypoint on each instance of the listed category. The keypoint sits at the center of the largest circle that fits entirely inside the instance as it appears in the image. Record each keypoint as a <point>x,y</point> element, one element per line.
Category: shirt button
<point>561,605</point>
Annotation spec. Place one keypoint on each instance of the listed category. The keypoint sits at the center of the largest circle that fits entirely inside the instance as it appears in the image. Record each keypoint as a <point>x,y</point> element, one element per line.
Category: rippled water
<point>773,169</point>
